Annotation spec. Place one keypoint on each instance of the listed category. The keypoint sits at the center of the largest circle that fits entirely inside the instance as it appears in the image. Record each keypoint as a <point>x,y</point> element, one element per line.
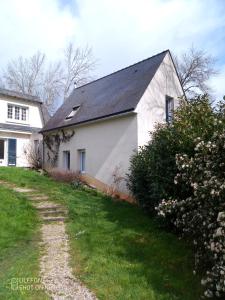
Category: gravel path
<point>56,274</point>
<point>55,271</point>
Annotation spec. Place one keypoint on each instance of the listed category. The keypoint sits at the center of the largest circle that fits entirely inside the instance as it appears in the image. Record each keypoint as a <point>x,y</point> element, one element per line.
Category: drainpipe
<point>43,152</point>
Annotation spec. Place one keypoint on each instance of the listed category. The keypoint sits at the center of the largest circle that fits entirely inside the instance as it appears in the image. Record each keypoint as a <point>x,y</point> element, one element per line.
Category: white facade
<point>151,108</point>
<point>20,121</point>
<point>108,146</point>
<point>103,149</point>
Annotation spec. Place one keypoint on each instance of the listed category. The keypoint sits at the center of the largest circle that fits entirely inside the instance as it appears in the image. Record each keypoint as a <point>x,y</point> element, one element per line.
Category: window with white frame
<point>169,109</point>
<point>66,160</point>
<point>18,113</point>
<point>72,113</point>
<point>10,111</point>
<point>36,146</point>
<point>24,114</point>
<point>82,160</point>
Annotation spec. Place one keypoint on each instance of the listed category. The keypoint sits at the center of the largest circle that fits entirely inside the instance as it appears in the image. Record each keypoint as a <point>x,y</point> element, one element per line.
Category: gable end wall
<point>151,108</point>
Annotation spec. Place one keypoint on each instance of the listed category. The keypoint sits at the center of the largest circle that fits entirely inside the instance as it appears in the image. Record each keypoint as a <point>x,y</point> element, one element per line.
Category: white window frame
<point>24,113</point>
<point>169,109</point>
<point>17,110</point>
<point>11,111</point>
<point>82,160</point>
<point>66,160</point>
<point>21,108</point>
<point>36,146</point>
<point>72,113</point>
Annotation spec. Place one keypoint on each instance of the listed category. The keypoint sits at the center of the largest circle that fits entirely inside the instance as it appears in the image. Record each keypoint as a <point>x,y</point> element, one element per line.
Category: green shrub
<point>153,168</point>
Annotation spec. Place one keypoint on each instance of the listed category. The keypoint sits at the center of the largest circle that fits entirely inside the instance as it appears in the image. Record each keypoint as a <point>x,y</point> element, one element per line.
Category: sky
<point>120,32</point>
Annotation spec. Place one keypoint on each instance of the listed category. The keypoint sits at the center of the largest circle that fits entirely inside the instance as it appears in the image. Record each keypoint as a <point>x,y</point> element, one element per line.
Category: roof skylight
<point>72,113</point>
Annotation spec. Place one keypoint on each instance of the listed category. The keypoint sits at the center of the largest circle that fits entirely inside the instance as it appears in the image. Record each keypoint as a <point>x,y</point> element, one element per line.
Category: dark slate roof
<point>113,94</point>
<point>14,94</point>
<point>15,127</point>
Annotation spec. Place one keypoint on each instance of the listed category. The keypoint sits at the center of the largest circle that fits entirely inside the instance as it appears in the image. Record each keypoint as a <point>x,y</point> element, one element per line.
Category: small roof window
<point>72,113</point>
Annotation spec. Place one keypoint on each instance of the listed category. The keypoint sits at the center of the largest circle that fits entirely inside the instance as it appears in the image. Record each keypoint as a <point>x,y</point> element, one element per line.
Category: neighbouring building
<point>102,123</point>
<point>22,116</point>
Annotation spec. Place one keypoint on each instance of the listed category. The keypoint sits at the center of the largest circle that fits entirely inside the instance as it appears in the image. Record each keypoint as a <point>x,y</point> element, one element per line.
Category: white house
<point>21,118</point>
<point>108,119</point>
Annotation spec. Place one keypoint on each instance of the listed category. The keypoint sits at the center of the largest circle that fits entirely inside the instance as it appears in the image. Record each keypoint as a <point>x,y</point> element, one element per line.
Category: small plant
<point>117,180</point>
<point>33,156</point>
<point>77,183</point>
<point>65,176</point>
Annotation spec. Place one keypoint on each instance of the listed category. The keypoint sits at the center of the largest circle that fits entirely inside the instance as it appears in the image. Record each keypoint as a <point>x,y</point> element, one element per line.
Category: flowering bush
<point>201,216</point>
<point>184,163</point>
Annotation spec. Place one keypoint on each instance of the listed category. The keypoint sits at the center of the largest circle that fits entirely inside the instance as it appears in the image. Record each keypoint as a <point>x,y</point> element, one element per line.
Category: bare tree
<point>33,155</point>
<point>50,81</point>
<point>25,74</point>
<point>78,63</point>
<point>52,87</point>
<point>195,68</point>
<point>2,85</point>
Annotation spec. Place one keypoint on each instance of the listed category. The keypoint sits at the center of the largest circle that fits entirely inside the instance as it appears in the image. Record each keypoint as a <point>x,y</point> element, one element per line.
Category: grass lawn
<point>18,246</point>
<point>116,250</point>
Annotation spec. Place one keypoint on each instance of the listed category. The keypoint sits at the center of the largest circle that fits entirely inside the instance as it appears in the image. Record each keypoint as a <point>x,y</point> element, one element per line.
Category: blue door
<point>12,152</point>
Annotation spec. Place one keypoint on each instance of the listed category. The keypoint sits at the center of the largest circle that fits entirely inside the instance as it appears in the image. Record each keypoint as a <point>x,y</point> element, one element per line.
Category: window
<point>2,149</point>
<point>36,146</point>
<point>82,158</point>
<point>66,160</point>
<point>169,109</point>
<point>17,112</point>
<point>24,114</point>
<point>72,113</point>
<point>10,111</point>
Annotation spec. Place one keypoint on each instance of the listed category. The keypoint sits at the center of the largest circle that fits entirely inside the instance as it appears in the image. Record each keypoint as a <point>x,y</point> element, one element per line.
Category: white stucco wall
<point>108,144</point>
<point>111,143</point>
<point>22,141</point>
<point>23,138</point>
<point>151,108</point>
<point>34,113</point>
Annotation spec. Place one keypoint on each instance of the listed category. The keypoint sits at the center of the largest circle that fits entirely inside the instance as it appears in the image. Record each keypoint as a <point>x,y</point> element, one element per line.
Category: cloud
<point>121,32</point>
<point>27,26</point>
<point>218,84</point>
<point>124,32</point>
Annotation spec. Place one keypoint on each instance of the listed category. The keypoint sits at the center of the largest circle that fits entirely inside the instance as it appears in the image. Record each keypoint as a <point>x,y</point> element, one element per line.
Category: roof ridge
<point>121,69</point>
<point>115,95</point>
<point>19,93</point>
